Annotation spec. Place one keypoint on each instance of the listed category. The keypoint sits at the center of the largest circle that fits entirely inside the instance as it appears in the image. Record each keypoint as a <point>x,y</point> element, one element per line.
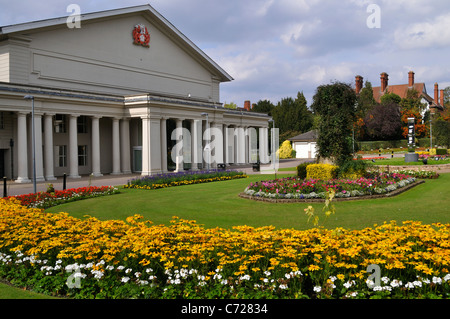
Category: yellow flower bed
<point>185,260</point>
<point>321,171</point>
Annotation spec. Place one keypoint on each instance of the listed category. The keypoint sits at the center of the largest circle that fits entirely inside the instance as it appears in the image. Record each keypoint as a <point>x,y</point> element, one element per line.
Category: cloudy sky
<point>275,48</point>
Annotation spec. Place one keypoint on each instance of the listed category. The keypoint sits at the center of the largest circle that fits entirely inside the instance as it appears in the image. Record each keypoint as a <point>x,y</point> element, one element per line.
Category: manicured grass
<point>9,292</point>
<point>401,162</point>
<point>217,205</point>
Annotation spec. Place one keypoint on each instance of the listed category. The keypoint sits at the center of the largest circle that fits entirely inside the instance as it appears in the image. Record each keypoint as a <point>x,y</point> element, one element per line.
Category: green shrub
<point>354,169</point>
<point>301,170</point>
<point>441,151</point>
<point>321,171</point>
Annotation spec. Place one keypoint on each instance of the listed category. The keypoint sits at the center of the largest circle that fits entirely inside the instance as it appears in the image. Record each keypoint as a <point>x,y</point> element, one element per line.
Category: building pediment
<point>103,55</point>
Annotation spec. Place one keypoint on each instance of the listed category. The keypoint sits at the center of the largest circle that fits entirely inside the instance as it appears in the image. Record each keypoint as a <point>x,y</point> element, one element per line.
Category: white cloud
<point>435,33</point>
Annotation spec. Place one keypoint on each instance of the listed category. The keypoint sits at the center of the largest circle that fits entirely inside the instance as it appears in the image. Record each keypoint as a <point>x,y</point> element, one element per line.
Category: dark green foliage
<point>358,167</point>
<point>441,130</point>
<point>335,104</point>
<point>301,170</point>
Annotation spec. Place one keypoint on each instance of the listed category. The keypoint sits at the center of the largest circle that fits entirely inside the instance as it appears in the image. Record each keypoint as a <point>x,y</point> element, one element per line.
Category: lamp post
<point>33,143</point>
<point>274,152</point>
<point>207,147</point>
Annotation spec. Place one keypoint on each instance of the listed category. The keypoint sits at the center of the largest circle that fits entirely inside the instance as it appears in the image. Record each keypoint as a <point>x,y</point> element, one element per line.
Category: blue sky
<point>275,48</point>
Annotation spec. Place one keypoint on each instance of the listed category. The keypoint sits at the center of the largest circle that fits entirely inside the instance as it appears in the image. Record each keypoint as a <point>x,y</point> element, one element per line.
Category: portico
<point>117,107</point>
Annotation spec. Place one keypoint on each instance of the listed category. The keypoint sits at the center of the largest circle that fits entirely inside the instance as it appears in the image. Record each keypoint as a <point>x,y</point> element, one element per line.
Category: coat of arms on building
<point>141,35</point>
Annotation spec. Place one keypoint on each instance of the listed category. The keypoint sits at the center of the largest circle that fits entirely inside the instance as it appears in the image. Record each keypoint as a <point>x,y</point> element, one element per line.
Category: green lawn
<point>401,161</point>
<point>9,292</point>
<point>218,205</point>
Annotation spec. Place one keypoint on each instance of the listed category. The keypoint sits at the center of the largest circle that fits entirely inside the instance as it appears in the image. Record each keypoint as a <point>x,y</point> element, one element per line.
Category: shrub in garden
<point>301,170</point>
<point>354,169</point>
<point>321,171</point>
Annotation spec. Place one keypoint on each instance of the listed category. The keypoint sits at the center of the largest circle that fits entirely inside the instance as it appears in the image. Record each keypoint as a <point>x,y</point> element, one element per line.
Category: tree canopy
<point>335,104</point>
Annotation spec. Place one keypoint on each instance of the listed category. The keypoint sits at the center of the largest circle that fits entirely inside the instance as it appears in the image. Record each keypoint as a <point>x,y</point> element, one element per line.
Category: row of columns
<point>154,145</point>
<point>227,150</point>
<point>121,161</point>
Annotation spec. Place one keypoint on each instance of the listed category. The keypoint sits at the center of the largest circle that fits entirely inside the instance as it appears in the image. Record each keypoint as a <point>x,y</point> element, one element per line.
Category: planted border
<point>295,189</point>
<point>48,199</point>
<point>61,255</point>
<point>183,178</point>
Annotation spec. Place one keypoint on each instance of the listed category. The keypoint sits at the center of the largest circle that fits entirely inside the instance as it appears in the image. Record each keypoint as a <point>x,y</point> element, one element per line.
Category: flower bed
<point>61,255</point>
<point>295,188</point>
<point>49,199</point>
<point>183,178</point>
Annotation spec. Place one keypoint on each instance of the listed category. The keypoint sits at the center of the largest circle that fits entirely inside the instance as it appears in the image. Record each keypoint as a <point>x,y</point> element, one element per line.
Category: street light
<point>207,146</point>
<point>33,143</point>
<point>272,137</point>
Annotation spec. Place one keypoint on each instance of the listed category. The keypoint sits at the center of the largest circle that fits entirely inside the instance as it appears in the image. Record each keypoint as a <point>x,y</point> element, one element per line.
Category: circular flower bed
<point>295,188</point>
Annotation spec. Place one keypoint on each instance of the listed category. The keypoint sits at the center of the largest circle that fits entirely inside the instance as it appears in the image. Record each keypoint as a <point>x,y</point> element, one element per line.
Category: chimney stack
<point>410,79</point>
<point>436,93</point>
<point>358,83</point>
<point>247,105</point>
<point>384,81</point>
<point>442,97</point>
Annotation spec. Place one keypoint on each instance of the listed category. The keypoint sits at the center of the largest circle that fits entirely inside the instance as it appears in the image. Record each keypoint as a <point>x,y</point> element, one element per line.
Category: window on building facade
<point>82,155</point>
<point>60,123</point>
<point>61,151</point>
<point>82,124</point>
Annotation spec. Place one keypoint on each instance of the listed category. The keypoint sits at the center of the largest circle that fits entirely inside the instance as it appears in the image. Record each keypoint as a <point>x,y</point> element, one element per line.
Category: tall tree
<point>292,116</point>
<point>365,101</point>
<point>335,103</point>
<point>263,106</point>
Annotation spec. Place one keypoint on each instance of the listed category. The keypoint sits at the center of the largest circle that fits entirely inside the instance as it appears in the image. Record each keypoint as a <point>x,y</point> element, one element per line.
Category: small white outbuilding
<point>305,144</point>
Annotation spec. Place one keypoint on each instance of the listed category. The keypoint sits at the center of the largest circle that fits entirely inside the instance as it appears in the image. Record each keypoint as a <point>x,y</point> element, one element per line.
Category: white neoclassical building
<point>107,96</point>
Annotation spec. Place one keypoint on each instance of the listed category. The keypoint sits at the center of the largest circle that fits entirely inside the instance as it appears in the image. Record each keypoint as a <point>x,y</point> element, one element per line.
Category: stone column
<point>178,147</point>
<point>48,148</point>
<point>151,145</point>
<point>73,147</point>
<point>125,157</point>
<point>163,134</point>
<point>96,170</point>
<point>115,146</point>
<point>240,145</point>
<point>217,143</point>
<point>22,149</point>
<point>263,145</point>
<point>196,143</point>
<point>225,143</point>
<point>38,148</point>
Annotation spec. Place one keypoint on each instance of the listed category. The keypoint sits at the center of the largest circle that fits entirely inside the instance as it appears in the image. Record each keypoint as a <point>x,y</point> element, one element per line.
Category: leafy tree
<point>285,151</point>
<point>263,106</point>
<point>365,101</point>
<point>389,98</point>
<point>441,130</point>
<point>421,130</point>
<point>383,122</point>
<point>230,105</point>
<point>412,101</point>
<point>335,103</point>
<point>292,117</point>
